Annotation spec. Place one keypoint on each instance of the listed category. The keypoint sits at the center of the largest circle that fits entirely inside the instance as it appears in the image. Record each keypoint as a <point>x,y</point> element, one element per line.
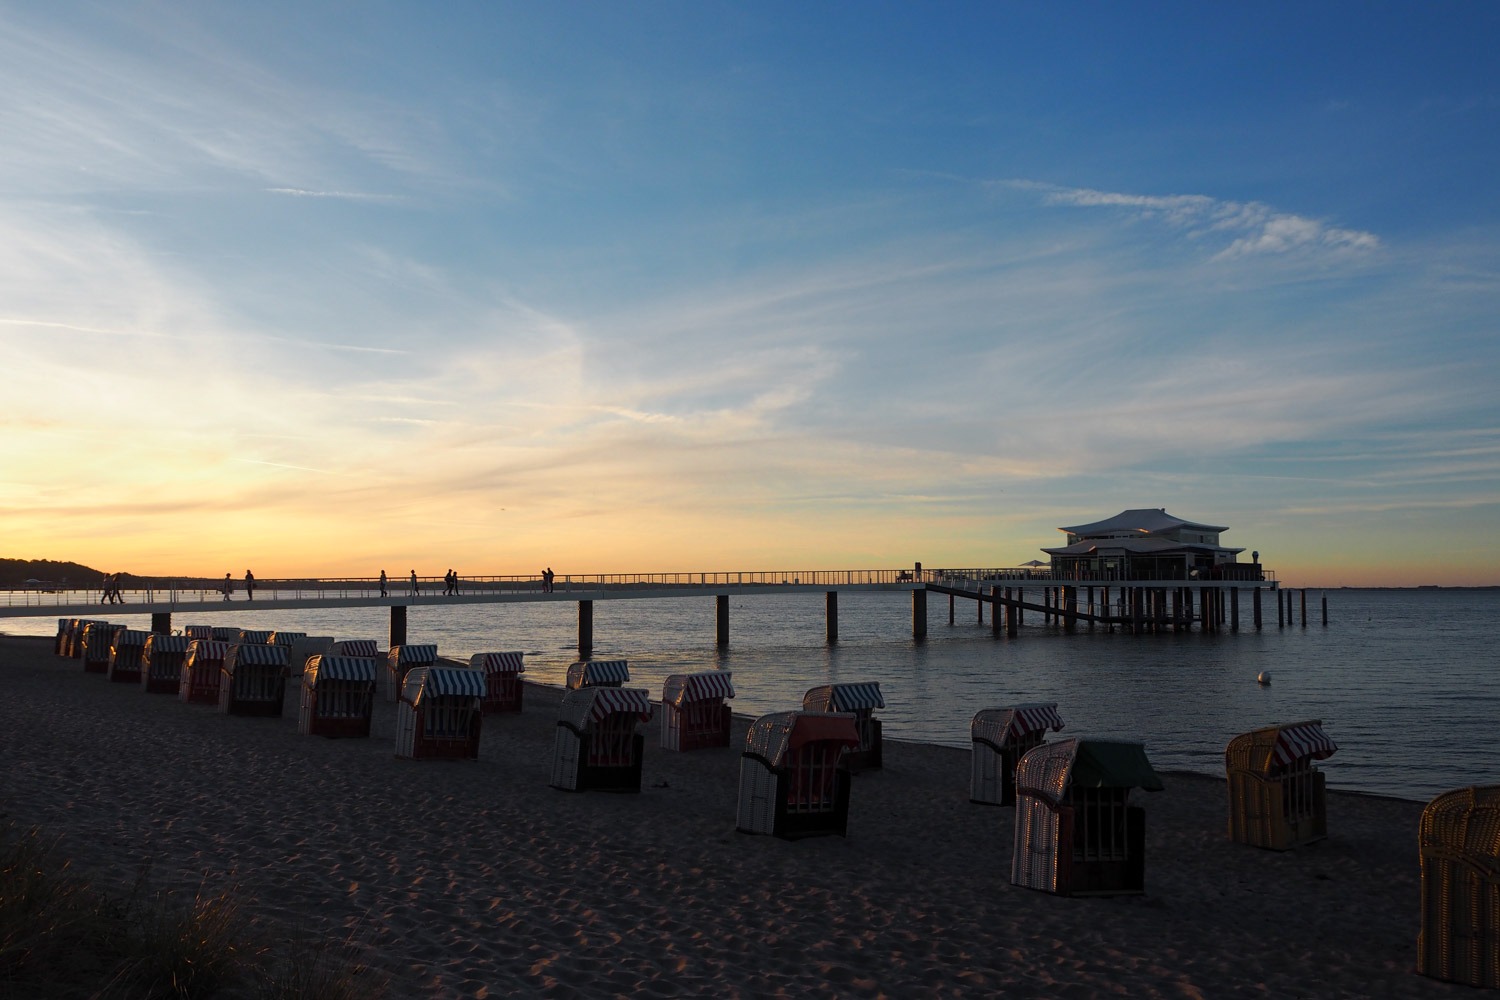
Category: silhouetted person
<point>414,583</point>
<point>107,589</point>
<point>382,584</point>
<point>228,586</point>
<point>249,586</point>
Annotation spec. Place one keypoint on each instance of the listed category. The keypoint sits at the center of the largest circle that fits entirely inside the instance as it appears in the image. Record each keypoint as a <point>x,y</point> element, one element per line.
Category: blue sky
<point>716,286</point>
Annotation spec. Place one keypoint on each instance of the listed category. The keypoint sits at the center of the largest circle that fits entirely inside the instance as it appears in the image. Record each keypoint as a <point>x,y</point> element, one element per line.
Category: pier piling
<point>585,629</point>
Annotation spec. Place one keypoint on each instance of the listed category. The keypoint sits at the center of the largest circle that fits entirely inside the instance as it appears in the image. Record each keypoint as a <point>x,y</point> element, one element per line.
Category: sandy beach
<point>476,878</point>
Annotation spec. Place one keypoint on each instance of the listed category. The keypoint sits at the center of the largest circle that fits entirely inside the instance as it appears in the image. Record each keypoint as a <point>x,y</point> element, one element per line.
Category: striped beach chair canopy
<point>587,672</point>
<point>331,667</point>
<point>256,654</point>
<point>286,638</point>
<point>998,726</point>
<point>355,647</point>
<point>705,686</point>
<point>498,663</point>
<point>843,697</point>
<point>774,736</point>
<point>257,635</point>
<point>198,631</point>
<point>582,708</point>
<point>1299,740</point>
<point>224,633</point>
<point>442,682</point>
<point>131,637</point>
<point>1052,768</point>
<point>423,652</point>
<point>158,643</point>
<point>206,649</point>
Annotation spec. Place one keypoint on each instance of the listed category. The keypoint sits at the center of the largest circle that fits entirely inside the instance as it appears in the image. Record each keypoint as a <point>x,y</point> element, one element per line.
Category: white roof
<point>1148,520</point>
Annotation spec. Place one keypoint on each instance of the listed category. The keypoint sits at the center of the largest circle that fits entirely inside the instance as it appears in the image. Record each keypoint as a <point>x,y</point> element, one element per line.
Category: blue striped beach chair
<point>98,638</point>
<point>338,696</point>
<point>401,659</point>
<point>125,655</point>
<point>254,680</point>
<point>201,670</point>
<point>439,713</point>
<point>161,663</point>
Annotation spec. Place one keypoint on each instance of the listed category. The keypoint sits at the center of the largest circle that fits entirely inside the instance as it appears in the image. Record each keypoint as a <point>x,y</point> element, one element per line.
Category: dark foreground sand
<point>478,879</point>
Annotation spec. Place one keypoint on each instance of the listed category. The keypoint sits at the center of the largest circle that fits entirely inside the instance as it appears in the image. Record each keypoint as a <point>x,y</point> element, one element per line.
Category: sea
<point>1405,681</point>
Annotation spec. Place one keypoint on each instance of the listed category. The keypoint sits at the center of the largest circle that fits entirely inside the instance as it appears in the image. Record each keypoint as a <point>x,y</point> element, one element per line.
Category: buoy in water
<point>1263,678</point>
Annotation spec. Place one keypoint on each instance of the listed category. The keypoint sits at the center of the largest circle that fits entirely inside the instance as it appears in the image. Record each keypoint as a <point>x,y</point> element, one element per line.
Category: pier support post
<point>1012,617</point>
<point>585,629</point>
<point>1280,616</point>
<point>980,605</point>
<point>1020,611</point>
<point>721,619</point>
<point>1325,609</point>
<point>950,609</point>
<point>995,612</point>
<point>1255,607</point>
<point>398,624</point>
<point>161,621</point>
<point>1070,608</point>
<point>831,607</point>
<point>1234,609</point>
<point>919,613</point>
<point>1304,607</point>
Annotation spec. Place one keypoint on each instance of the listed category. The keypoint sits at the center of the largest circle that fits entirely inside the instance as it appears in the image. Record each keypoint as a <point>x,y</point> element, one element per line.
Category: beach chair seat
<point>1077,834</point>
<point>1277,798</point>
<point>338,696</point>
<point>598,673</point>
<point>860,700</point>
<point>125,656</point>
<point>1000,738</point>
<point>402,658</point>
<point>439,713</point>
<point>1459,844</point>
<point>201,671</point>
<point>504,691</point>
<point>254,680</point>
<point>793,779</point>
<point>596,743</point>
<point>161,663</point>
<point>694,715</point>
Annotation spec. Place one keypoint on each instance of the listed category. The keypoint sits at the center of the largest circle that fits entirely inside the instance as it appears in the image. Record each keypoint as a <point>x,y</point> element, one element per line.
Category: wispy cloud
<point>1250,228</point>
<point>346,195</point>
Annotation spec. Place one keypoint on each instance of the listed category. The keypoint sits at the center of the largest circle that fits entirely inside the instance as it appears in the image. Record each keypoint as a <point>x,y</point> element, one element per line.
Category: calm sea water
<point>1406,681</point>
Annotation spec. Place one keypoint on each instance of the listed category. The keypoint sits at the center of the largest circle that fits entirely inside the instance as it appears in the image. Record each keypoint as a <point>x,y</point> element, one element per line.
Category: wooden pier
<point>1141,606</point>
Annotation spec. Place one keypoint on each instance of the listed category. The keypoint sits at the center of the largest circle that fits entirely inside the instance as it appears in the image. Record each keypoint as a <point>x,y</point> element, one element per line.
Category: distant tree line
<point>15,572</point>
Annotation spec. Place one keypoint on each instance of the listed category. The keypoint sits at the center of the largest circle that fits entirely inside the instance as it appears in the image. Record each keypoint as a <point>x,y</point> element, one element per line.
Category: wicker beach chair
<point>59,642</point>
<point>254,681</point>
<point>503,690</point>
<point>125,655</point>
<point>161,663</point>
<point>793,779</point>
<point>598,673</point>
<point>1076,832</point>
<point>439,713</point>
<point>201,670</point>
<point>1277,798</point>
<point>1000,738</point>
<point>198,631</point>
<point>94,647</point>
<point>288,639</point>
<point>255,636</point>
<point>303,648</point>
<point>338,696</point>
<point>860,700</point>
<point>227,634</point>
<point>596,746</point>
<point>401,659</point>
<point>1459,845</point>
<point>694,715</point>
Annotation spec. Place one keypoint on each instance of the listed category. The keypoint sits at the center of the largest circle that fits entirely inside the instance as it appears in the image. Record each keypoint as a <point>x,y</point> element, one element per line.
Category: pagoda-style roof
<point>1135,546</point>
<point>1146,520</point>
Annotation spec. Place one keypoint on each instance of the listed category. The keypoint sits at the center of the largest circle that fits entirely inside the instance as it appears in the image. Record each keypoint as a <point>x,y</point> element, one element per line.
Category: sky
<point>323,288</point>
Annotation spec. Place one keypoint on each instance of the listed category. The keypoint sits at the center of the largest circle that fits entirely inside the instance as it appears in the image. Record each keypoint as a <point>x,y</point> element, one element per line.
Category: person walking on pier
<point>414,583</point>
<point>450,583</point>
<point>382,584</point>
<point>228,586</point>
<point>249,586</point>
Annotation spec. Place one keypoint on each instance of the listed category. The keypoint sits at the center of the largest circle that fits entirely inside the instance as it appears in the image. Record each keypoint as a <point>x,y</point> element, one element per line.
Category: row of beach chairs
<point>1077,831</point>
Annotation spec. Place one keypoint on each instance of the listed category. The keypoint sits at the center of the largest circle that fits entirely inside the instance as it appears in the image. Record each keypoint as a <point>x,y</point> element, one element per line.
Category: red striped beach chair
<point>439,713</point>
<point>596,745</point>
<point>1001,737</point>
<point>598,673</point>
<point>1076,832</point>
<point>793,779</point>
<point>1277,798</point>
<point>861,700</point>
<point>254,680</point>
<point>338,696</point>
<point>503,690</point>
<point>201,669</point>
<point>402,659</point>
<point>694,715</point>
<point>161,663</point>
<point>125,655</point>
<point>1459,844</point>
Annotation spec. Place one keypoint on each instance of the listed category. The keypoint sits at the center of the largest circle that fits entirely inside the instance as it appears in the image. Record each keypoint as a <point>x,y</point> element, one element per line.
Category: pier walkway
<point>1132,604</point>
